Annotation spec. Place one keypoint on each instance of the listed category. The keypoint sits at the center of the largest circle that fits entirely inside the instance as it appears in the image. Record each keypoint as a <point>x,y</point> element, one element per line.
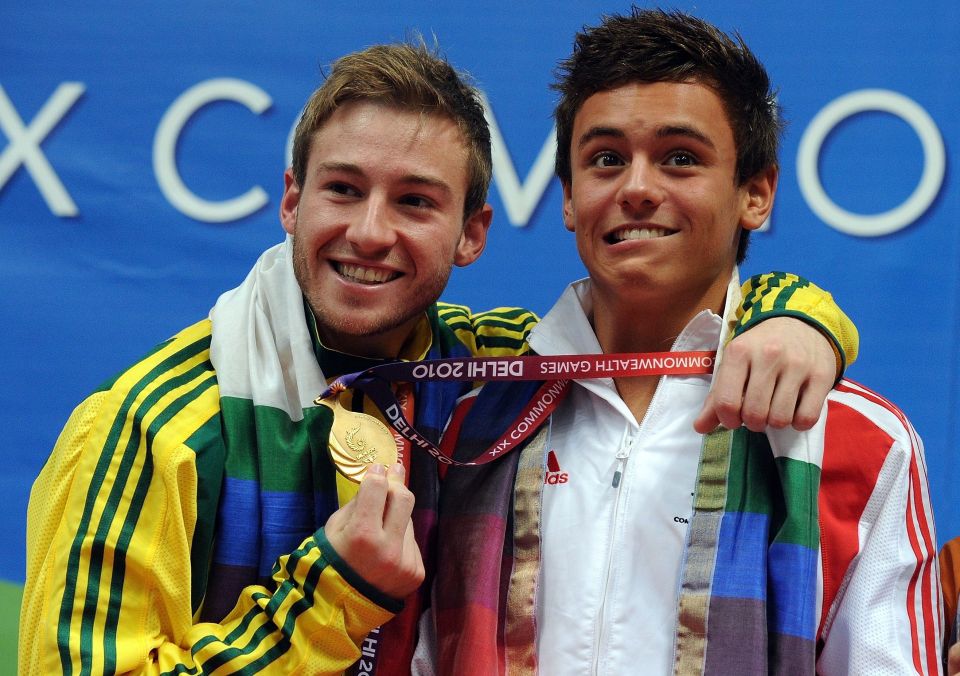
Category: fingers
<point>725,399</point>
<point>761,390</point>
<point>811,401</point>
<point>368,504</point>
<point>373,533</point>
<point>707,420</point>
<point>783,402</point>
<point>411,554</point>
<point>776,374</point>
<point>399,503</point>
<point>383,501</point>
<point>775,402</point>
<point>396,473</point>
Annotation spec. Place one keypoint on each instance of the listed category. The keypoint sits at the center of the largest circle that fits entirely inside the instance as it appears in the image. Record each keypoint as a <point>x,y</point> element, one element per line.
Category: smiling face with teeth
<point>654,202</point>
<point>379,223</point>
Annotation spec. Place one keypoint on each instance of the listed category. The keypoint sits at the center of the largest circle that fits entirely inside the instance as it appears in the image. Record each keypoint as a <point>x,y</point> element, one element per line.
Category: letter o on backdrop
<point>874,225</point>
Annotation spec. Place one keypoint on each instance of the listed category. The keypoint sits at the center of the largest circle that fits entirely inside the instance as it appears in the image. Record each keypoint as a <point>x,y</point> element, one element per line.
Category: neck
<point>626,327</point>
<point>361,346</point>
<point>644,325</point>
<point>409,341</point>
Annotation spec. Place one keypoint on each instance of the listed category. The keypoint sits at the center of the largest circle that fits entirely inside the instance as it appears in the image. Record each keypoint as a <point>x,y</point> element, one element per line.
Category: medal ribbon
<point>557,371</point>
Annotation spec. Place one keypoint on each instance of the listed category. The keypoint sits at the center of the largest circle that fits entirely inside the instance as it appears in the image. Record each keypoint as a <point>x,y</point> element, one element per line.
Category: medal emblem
<point>358,440</point>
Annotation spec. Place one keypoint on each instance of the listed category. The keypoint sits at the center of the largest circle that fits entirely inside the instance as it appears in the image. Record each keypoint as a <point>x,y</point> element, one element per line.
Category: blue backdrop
<point>143,148</point>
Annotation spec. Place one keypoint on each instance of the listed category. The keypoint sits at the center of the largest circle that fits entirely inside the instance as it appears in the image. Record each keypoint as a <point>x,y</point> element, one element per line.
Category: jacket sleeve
<point>780,294</point>
<point>111,526</point>
<point>881,598</point>
<point>501,332</point>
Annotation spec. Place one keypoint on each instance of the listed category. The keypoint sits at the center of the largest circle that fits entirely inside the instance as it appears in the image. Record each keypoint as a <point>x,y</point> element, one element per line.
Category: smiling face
<point>378,223</point>
<point>653,198</point>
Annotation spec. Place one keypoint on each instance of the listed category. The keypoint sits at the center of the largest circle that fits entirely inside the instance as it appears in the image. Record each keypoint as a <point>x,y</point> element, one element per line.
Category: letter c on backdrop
<point>165,150</point>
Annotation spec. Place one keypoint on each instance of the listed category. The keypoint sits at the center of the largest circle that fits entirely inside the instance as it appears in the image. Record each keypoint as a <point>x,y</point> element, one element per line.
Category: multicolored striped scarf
<point>279,485</point>
<point>747,602</point>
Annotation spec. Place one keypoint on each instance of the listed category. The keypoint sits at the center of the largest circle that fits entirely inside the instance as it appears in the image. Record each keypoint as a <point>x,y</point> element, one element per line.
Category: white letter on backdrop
<point>24,146</point>
<point>519,200</point>
<point>165,150</point>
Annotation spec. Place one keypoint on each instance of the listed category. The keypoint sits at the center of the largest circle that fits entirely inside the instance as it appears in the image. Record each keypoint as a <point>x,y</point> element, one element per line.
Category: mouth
<point>633,233</point>
<point>361,274</point>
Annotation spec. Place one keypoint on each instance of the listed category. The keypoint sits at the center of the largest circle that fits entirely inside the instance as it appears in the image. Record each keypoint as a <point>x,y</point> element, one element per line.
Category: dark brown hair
<point>659,46</point>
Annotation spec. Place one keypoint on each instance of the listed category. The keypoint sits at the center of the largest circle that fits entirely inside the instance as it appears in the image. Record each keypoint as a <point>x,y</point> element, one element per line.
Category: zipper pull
<point>622,456</point>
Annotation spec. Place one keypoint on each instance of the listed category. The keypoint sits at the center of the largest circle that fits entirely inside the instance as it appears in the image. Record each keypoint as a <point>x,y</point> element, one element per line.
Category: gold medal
<point>358,440</point>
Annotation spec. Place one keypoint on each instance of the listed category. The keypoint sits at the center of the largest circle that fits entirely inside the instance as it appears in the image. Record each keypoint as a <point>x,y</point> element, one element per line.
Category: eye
<point>606,159</point>
<point>418,201</point>
<point>343,189</point>
<point>681,158</point>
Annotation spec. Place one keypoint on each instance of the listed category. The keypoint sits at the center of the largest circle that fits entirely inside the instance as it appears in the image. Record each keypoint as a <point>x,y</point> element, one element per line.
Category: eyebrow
<point>689,132</point>
<point>598,132</point>
<point>663,132</point>
<point>412,179</point>
<point>345,167</point>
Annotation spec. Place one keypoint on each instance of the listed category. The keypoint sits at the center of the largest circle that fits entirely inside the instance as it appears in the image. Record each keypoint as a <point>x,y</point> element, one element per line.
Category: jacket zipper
<point>623,453</point>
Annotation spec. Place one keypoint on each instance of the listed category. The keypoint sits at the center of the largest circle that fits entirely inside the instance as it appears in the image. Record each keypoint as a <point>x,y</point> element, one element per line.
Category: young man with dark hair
<point>191,518</point>
<point>618,540</point>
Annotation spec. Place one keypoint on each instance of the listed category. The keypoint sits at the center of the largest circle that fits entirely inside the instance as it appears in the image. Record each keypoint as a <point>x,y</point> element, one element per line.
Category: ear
<point>568,221</point>
<point>473,239</point>
<point>289,202</point>
<point>758,193</point>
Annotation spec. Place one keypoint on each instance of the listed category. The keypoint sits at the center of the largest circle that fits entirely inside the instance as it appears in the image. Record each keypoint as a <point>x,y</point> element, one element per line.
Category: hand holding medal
<point>374,535</point>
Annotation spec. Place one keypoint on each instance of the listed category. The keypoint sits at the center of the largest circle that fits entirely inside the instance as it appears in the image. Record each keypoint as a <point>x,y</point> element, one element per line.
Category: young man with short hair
<point>619,540</point>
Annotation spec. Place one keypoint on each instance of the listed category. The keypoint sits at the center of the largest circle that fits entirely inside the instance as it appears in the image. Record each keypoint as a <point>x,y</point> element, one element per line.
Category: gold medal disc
<point>358,440</point>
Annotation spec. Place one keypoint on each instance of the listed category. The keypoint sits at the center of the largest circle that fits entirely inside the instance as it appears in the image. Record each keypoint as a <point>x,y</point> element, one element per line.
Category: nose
<point>372,232</point>
<point>641,187</point>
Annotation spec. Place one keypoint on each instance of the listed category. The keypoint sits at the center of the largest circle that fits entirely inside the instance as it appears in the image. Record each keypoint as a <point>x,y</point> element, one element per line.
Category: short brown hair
<point>408,76</point>
<point>659,46</point>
